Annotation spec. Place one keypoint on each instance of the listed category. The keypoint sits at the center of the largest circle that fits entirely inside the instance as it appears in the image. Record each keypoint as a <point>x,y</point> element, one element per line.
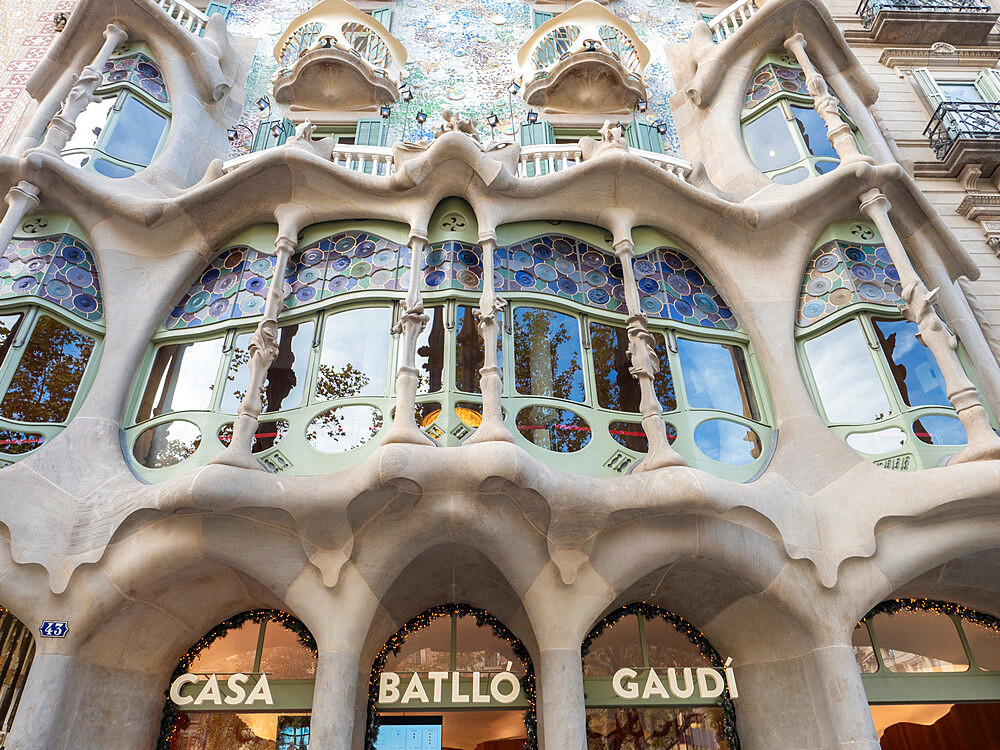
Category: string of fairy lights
<point>892,606</point>
<point>168,724</point>
<point>652,612</point>
<point>483,619</point>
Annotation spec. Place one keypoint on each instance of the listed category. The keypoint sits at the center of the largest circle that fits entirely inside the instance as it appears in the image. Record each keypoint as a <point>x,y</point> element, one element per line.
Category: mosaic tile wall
<point>460,56</point>
<point>670,285</point>
<point>25,35</point>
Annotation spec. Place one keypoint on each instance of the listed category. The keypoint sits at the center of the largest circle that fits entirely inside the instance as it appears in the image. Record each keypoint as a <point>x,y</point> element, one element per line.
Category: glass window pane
<point>793,177</point>
<point>558,430</point>
<point>913,367</point>
<point>727,442</point>
<point>716,377</point>
<point>47,377</point>
<point>478,650</point>
<point>90,123</point>
<point>814,132</point>
<point>961,92</point>
<point>427,650</point>
<point>344,428</point>
<point>8,330</point>
<point>219,730</point>
<point>135,133</point>
<point>616,387</point>
<point>182,378</point>
<point>617,647</point>
<point>355,356</point>
<point>430,352</point>
<point>938,429</point>
<point>286,379</point>
<point>284,656</point>
<point>985,645</point>
<point>469,356</point>
<point>919,642</point>
<point>112,170</point>
<point>668,647</point>
<point>659,727</point>
<point>167,444</point>
<point>232,653</point>
<point>846,379</point>
<point>547,359</point>
<point>771,143</point>
<point>864,651</point>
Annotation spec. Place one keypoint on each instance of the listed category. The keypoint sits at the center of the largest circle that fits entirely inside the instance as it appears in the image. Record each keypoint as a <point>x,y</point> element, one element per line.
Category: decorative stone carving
<point>612,138</point>
<point>454,123</point>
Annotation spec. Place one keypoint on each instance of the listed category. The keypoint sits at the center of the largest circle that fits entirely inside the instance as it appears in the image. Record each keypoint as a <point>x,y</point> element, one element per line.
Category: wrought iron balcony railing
<point>957,121</point>
<point>868,9</point>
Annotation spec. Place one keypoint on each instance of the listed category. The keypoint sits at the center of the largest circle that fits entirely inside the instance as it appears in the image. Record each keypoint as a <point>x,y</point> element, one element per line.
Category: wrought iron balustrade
<point>868,9</point>
<point>956,121</point>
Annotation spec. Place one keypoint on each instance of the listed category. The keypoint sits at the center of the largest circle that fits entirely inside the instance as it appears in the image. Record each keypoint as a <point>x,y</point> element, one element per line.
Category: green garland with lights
<point>483,619</point>
<point>168,724</point>
<point>706,649</point>
<point>892,606</point>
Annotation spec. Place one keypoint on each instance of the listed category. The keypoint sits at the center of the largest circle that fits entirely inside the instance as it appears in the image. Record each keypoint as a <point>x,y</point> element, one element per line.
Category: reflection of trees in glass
<point>294,662</point>
<point>293,733</point>
<point>617,388</point>
<point>430,355</point>
<point>547,354</point>
<point>17,443</point>
<point>556,430</point>
<point>166,444</point>
<point>281,381</point>
<point>48,374</point>
<point>655,729</point>
<point>333,383</point>
<point>219,729</point>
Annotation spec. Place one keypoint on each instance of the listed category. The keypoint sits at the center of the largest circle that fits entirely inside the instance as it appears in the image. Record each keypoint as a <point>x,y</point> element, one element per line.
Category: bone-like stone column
<point>492,427</point>
<point>645,365</point>
<point>919,308</point>
<point>412,322</point>
<point>826,104</point>
<point>21,199</point>
<point>263,346</point>
<point>63,125</point>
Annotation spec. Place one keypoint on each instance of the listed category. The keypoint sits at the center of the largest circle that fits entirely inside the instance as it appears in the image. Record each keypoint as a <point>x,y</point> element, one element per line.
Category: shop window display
<point>569,396</point>
<point>930,670</point>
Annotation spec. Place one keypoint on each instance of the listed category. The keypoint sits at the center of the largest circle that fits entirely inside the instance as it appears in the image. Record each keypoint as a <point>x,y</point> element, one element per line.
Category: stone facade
<point>775,569</point>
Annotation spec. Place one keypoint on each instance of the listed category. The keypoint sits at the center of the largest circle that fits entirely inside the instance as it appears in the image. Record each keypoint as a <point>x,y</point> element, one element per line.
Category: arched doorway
<point>17,650</point>
<point>931,671</point>
<point>245,685</point>
<point>455,678</point>
<point>652,680</point>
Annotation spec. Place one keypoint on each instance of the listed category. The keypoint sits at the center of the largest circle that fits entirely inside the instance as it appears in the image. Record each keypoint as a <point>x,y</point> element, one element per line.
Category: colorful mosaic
<point>460,58</point>
<point>235,284</point>
<point>773,79</point>
<point>842,273</point>
<point>670,285</point>
<point>456,265</point>
<point>59,269</point>
<point>139,71</point>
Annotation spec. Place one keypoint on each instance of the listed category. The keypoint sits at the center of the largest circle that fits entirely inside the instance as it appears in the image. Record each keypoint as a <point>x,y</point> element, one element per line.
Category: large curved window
<point>569,396</point>
<point>878,387</point>
<point>246,683</point>
<point>454,676</point>
<point>50,330</point>
<point>652,680</point>
<point>931,670</point>
<point>786,137</point>
<point>120,134</point>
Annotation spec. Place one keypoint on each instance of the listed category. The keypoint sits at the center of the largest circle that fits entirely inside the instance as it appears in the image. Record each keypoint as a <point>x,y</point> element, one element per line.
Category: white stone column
<point>492,427</point>
<point>21,199</point>
<point>826,104</point>
<point>264,343</point>
<point>919,308</point>
<point>562,713</point>
<point>412,322</point>
<point>63,125</point>
<point>645,365</point>
<point>332,726</point>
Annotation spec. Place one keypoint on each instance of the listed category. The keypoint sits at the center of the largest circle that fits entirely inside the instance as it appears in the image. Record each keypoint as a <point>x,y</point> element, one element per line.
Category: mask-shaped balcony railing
<point>565,41</point>
<point>953,122</point>
<point>868,9</point>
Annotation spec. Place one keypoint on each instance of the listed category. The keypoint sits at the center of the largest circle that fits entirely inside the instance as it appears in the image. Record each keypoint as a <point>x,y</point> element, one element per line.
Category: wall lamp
<point>421,118</point>
<point>385,111</point>
<point>641,105</point>
<point>532,117</point>
<point>233,133</point>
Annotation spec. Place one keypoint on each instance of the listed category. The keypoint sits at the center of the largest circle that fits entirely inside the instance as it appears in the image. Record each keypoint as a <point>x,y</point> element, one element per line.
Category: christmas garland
<point>395,643</point>
<point>892,606</point>
<point>706,649</point>
<point>168,725</point>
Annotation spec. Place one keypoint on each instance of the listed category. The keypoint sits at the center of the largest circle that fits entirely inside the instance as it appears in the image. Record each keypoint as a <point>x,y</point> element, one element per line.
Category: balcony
<point>586,60</point>
<point>958,22</point>
<point>335,58</point>
<point>963,133</point>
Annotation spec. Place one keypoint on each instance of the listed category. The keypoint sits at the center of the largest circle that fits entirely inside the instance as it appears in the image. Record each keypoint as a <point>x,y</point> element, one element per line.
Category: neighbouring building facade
<point>494,374</point>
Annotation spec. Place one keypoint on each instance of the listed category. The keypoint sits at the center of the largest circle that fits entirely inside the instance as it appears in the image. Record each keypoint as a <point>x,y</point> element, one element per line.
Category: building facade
<point>491,374</point>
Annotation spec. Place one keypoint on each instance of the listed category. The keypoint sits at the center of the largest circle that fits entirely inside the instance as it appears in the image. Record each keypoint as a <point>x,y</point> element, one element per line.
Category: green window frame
<point>538,17</point>
<point>383,16</point>
<point>124,100</point>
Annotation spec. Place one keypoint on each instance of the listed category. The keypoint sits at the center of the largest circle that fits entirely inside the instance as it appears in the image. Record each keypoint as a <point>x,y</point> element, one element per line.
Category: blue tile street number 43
<point>54,629</point>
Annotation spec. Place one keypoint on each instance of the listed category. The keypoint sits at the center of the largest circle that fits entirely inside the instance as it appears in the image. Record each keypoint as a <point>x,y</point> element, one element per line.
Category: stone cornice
<point>938,55</point>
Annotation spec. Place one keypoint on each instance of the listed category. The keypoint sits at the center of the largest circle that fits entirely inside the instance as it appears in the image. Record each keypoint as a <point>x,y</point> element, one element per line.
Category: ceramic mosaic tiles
<point>460,57</point>
<point>772,79</point>
<point>25,36</point>
<point>59,269</point>
<point>670,285</point>
<point>843,273</point>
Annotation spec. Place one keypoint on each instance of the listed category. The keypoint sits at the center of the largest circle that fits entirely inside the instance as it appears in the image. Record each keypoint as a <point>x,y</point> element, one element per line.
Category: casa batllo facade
<point>489,374</point>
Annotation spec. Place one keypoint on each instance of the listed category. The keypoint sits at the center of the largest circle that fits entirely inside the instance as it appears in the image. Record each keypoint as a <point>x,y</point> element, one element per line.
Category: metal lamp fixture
<point>514,88</point>
<point>406,93</point>
<point>532,117</point>
<point>233,133</point>
<point>385,111</point>
<point>277,130</point>
<point>591,45</point>
<point>661,127</point>
<point>641,105</point>
<point>492,120</point>
<point>421,117</point>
